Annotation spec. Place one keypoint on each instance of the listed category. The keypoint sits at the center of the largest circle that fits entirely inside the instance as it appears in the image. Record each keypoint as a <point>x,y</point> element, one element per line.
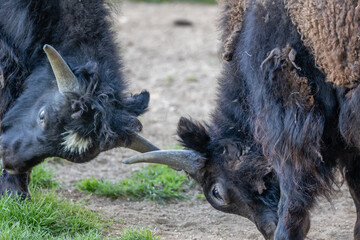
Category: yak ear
<point>137,104</point>
<point>193,135</point>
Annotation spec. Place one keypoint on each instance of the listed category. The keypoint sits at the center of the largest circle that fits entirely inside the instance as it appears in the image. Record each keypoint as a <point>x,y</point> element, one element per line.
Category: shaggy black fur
<point>235,177</point>
<point>274,135</point>
<point>100,111</point>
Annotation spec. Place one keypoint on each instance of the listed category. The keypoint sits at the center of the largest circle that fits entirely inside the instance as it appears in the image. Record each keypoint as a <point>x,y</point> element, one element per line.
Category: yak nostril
<point>8,167</point>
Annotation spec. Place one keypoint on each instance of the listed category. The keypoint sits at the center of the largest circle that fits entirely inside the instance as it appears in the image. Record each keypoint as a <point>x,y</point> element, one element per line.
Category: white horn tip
<point>47,47</point>
<point>128,161</point>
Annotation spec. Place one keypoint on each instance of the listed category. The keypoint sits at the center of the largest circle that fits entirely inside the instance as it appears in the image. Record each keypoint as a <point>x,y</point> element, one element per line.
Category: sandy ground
<point>179,66</point>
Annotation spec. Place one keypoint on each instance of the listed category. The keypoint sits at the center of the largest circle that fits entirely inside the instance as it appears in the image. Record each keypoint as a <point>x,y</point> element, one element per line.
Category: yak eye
<point>219,195</point>
<point>42,115</point>
<point>216,194</point>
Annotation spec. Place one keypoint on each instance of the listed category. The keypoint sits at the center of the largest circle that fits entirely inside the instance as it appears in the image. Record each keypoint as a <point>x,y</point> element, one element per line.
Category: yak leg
<point>349,121</point>
<point>15,184</point>
<point>294,206</point>
<point>352,170</point>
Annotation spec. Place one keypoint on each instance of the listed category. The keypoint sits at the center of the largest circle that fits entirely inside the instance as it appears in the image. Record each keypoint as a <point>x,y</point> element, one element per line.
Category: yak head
<point>235,178</point>
<point>64,114</point>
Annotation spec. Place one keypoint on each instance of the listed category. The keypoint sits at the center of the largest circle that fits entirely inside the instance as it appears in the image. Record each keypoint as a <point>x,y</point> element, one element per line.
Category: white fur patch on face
<point>74,143</point>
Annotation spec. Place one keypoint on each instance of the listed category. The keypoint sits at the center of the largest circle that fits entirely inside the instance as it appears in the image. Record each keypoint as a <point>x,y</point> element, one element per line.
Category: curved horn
<point>186,160</point>
<point>65,78</point>
<point>141,144</point>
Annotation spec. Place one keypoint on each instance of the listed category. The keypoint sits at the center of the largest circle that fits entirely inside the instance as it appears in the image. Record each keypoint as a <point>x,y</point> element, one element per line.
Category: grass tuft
<point>200,196</point>
<point>157,183</point>
<point>47,215</point>
<point>138,234</point>
<point>175,147</point>
<point>42,177</point>
<point>191,79</point>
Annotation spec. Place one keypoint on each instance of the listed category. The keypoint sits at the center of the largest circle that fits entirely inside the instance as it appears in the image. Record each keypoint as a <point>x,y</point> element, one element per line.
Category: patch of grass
<point>191,79</point>
<point>157,183</point>
<point>200,196</point>
<point>42,177</point>
<point>175,147</point>
<point>47,215</point>
<point>138,234</point>
<point>169,80</point>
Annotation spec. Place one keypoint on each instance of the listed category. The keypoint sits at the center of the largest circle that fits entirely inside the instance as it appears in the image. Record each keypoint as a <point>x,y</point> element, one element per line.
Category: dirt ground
<point>179,65</point>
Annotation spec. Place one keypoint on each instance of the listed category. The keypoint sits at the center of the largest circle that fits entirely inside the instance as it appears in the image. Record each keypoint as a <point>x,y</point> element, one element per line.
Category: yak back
<point>329,28</point>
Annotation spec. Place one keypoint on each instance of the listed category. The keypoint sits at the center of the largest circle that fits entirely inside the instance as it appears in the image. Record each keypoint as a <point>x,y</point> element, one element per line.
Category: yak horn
<point>186,160</point>
<point>65,78</point>
<point>141,144</point>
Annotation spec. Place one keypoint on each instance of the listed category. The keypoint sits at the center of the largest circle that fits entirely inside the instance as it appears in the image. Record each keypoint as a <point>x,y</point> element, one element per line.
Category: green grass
<point>169,80</point>
<point>47,215</point>
<point>175,147</point>
<point>191,79</point>
<point>42,177</point>
<point>157,183</point>
<point>200,196</point>
<point>138,234</point>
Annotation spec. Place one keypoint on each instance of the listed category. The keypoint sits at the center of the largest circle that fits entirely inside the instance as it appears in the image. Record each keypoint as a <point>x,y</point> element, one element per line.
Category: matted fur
<point>231,24</point>
<point>294,88</point>
<point>233,14</point>
<point>331,29</point>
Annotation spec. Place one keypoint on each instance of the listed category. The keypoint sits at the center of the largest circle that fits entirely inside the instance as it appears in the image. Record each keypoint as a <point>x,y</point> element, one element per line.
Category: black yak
<point>284,120</point>
<point>69,102</point>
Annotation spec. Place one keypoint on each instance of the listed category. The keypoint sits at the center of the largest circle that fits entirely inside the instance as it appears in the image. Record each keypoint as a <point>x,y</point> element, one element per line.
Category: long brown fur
<point>233,17</point>
<point>296,89</point>
<point>330,28</point>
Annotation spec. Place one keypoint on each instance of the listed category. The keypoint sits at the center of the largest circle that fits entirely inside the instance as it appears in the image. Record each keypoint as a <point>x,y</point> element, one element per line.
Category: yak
<point>62,93</point>
<point>285,122</point>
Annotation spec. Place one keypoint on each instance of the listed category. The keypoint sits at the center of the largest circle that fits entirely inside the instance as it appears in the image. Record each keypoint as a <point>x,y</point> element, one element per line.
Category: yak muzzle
<point>8,167</point>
